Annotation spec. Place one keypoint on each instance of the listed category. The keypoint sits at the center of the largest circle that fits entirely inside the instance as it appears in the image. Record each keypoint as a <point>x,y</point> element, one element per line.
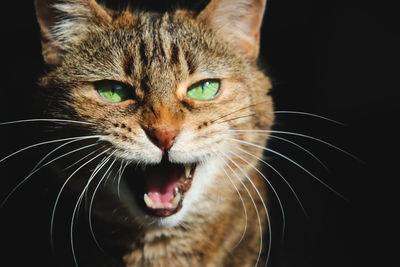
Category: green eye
<point>205,90</point>
<point>112,91</point>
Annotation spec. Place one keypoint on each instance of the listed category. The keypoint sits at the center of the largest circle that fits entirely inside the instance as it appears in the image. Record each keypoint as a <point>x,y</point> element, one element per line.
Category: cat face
<point>164,93</point>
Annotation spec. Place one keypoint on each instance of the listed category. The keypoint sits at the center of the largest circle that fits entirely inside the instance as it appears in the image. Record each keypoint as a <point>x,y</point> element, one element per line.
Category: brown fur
<point>159,56</point>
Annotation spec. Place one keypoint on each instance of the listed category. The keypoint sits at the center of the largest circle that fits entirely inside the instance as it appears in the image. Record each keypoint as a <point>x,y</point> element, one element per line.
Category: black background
<point>337,59</point>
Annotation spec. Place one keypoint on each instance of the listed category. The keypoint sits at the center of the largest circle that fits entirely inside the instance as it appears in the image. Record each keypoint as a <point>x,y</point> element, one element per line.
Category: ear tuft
<point>239,21</point>
<point>64,22</point>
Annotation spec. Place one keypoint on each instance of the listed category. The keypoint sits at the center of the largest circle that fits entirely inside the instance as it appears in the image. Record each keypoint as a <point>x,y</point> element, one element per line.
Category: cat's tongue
<point>161,186</point>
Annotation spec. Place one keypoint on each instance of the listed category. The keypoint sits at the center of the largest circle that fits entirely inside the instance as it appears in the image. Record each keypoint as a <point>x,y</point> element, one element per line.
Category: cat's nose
<point>163,137</point>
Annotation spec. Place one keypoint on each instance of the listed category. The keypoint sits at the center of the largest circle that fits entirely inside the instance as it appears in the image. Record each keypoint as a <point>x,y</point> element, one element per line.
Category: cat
<point>156,115</point>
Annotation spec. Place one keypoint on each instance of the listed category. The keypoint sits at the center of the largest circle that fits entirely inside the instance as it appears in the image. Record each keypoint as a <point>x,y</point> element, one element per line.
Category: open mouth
<point>160,189</point>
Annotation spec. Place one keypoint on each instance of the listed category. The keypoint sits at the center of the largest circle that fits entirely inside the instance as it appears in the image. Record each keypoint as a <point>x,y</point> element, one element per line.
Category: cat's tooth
<point>188,168</point>
<point>148,201</point>
<point>176,200</point>
<point>176,190</point>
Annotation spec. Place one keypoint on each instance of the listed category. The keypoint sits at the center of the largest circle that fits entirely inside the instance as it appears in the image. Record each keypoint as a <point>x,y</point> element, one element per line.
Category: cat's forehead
<point>151,51</point>
<point>171,43</point>
<point>162,45</point>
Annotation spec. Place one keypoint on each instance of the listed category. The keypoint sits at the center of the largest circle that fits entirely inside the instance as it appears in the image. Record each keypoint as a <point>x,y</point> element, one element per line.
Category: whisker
<point>120,177</point>
<point>230,113</point>
<point>277,112</point>
<point>292,161</point>
<point>78,203</point>
<point>307,114</point>
<point>76,162</point>
<point>301,135</point>
<point>59,147</point>
<point>272,187</point>
<point>37,169</point>
<point>45,120</point>
<point>91,204</point>
<point>100,165</point>
<point>62,189</point>
<point>244,207</point>
<point>280,175</point>
<point>106,180</point>
<point>255,206</point>
<point>240,117</point>
<point>119,171</point>
<point>43,143</point>
<point>290,142</point>
<point>94,172</point>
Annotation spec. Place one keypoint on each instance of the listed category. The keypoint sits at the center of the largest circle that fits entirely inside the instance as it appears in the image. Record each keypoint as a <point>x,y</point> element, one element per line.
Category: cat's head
<point>165,92</point>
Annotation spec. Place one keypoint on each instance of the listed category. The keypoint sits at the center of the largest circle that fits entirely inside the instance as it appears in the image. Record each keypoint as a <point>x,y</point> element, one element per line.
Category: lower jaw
<point>161,213</point>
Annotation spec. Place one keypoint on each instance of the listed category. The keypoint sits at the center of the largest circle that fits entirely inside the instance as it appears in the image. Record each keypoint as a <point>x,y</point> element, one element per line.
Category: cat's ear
<point>239,21</point>
<point>63,22</point>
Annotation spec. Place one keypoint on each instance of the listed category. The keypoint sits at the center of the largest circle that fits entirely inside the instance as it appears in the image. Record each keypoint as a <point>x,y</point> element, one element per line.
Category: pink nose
<point>163,137</point>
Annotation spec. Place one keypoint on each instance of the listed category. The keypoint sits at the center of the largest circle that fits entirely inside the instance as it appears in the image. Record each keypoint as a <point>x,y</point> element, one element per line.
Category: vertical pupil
<point>204,86</point>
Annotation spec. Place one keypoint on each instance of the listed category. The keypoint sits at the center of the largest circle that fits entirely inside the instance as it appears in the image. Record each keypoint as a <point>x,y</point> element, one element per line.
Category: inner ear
<point>238,21</point>
<point>64,22</point>
<point>46,15</point>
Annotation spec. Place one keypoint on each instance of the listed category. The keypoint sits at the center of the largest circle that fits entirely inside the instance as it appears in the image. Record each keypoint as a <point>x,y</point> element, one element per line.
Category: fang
<point>188,168</point>
<point>176,200</point>
<point>148,201</point>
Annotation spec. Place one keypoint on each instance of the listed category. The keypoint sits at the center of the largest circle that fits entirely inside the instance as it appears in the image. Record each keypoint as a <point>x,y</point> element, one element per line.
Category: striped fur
<point>159,56</point>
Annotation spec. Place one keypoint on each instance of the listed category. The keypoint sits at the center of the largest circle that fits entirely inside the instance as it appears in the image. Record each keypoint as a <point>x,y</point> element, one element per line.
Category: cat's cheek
<point>181,156</point>
<point>139,151</point>
<point>199,200</point>
<point>204,179</point>
<point>83,91</point>
<point>193,145</point>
